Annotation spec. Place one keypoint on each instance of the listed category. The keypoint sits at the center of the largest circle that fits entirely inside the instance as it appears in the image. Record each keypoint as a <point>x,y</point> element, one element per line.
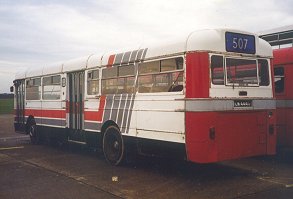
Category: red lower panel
<point>46,113</point>
<point>237,135</point>
<point>285,127</point>
<point>96,115</point>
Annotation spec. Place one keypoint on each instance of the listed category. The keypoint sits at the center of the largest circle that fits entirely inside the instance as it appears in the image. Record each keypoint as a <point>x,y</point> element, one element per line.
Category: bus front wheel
<point>34,136</point>
<point>113,146</point>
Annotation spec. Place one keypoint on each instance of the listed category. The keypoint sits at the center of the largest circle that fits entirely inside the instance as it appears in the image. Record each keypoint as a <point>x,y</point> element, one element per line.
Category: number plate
<point>242,103</point>
<point>240,43</point>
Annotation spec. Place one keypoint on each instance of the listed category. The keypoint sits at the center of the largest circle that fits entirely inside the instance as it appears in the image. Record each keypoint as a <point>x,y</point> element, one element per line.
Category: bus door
<point>76,107</point>
<point>19,121</point>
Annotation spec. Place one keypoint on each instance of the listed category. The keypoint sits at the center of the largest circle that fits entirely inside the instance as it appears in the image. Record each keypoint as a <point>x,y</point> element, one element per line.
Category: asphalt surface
<point>43,171</point>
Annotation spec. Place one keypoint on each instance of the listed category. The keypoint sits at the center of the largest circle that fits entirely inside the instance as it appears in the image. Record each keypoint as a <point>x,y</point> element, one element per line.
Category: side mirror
<point>11,89</point>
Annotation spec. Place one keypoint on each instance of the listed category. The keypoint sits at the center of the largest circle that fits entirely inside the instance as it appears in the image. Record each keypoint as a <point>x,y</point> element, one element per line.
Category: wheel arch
<point>104,127</point>
<point>30,121</point>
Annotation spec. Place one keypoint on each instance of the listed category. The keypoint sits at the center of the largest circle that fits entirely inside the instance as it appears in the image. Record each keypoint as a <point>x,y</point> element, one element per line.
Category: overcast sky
<point>38,32</point>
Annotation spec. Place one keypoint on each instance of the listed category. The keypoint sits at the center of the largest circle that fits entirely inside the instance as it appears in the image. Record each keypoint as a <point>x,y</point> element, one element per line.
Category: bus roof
<point>211,40</point>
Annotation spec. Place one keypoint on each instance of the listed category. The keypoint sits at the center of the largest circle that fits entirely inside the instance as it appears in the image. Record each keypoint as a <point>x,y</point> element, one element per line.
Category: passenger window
<point>109,86</point>
<point>172,64</point>
<point>126,70</point>
<point>165,76</point>
<point>52,87</point>
<point>110,72</point>
<point>149,67</point>
<point>93,82</point>
<point>33,89</point>
<point>217,70</point>
<point>263,72</point>
<point>145,83</point>
<point>162,82</point>
<point>279,79</point>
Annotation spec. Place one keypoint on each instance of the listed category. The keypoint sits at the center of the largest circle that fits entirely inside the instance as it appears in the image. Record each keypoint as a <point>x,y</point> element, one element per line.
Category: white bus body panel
<point>160,117</point>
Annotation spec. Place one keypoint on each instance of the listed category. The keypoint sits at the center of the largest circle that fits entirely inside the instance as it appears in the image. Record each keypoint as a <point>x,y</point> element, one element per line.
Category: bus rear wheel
<point>113,146</point>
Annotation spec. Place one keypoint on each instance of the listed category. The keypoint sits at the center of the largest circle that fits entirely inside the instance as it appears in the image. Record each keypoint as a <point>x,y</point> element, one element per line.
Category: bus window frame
<point>226,84</point>
<point>60,84</point>
<point>238,84</point>
<point>41,90</point>
<point>282,78</point>
<point>182,70</point>
<point>87,80</point>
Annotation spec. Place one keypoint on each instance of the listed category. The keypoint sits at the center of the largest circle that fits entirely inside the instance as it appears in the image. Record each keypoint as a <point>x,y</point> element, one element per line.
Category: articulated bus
<point>281,40</point>
<point>205,98</point>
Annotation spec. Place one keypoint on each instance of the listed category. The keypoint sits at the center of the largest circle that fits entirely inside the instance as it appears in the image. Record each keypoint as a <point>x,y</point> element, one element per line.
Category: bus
<point>205,98</point>
<point>283,72</point>
<point>281,40</point>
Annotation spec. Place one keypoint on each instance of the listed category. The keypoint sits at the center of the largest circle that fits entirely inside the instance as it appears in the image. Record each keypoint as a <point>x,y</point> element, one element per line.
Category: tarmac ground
<point>43,171</point>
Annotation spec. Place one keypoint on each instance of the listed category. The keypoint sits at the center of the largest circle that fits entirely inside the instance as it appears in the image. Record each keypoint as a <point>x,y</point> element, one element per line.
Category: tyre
<point>34,136</point>
<point>113,146</point>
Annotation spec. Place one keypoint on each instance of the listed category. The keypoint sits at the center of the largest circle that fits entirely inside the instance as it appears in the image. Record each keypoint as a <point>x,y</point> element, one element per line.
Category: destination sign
<point>240,43</point>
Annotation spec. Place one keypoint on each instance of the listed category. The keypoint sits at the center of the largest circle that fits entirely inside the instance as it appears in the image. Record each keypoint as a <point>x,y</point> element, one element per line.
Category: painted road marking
<point>276,181</point>
<point>11,148</point>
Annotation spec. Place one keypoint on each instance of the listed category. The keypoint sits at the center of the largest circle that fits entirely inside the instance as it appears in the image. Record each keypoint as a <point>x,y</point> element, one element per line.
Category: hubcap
<point>116,145</point>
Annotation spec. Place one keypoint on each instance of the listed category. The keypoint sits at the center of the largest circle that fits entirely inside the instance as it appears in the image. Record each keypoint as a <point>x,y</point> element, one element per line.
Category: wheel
<point>113,146</point>
<point>34,136</point>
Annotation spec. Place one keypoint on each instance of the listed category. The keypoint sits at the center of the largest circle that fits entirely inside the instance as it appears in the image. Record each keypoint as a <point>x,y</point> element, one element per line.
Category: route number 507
<point>239,43</point>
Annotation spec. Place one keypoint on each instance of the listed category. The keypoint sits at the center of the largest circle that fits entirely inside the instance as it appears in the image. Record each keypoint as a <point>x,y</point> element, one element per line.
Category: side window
<point>279,79</point>
<point>127,70</point>
<point>119,79</point>
<point>149,67</point>
<point>217,70</point>
<point>52,87</point>
<point>33,89</point>
<point>126,79</point>
<point>109,80</point>
<point>161,76</point>
<point>93,82</point>
<point>263,72</point>
<point>172,64</point>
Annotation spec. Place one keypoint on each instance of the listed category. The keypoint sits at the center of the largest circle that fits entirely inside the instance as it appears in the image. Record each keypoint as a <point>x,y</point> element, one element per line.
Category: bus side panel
<point>289,81</point>
<point>236,135</point>
<point>284,58</point>
<point>281,127</point>
<point>197,75</point>
<point>289,130</point>
<point>285,127</point>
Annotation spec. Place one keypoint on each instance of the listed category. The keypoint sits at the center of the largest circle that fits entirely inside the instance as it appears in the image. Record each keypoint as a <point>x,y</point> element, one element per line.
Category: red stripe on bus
<point>45,113</point>
<point>111,60</point>
<point>96,115</point>
<point>197,80</point>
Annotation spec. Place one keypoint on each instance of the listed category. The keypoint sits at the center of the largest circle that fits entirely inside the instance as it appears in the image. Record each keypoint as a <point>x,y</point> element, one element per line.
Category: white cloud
<point>35,32</point>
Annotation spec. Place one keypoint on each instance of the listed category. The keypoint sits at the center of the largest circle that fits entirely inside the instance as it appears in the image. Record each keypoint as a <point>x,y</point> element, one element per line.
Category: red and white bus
<point>281,40</point>
<point>205,98</point>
